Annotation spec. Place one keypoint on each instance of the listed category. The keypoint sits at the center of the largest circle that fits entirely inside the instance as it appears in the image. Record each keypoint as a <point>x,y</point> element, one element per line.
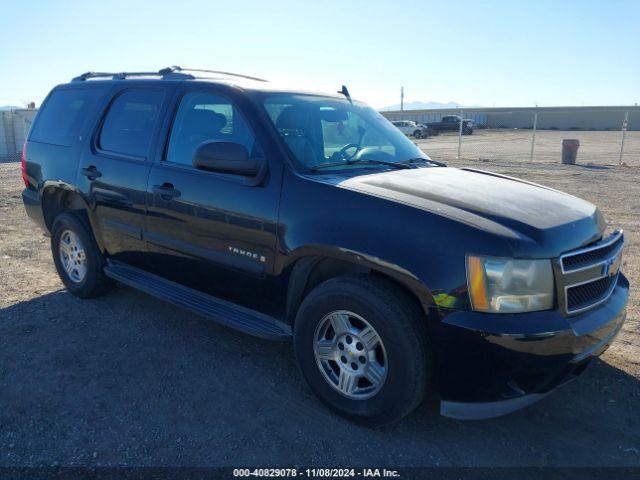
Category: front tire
<point>77,258</point>
<point>362,346</point>
<point>417,134</point>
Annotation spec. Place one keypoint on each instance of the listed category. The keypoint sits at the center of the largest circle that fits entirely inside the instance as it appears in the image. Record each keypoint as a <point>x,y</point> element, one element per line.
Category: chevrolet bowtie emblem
<point>611,266</point>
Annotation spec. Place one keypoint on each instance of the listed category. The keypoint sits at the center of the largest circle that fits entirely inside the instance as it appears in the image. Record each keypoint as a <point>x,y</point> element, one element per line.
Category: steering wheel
<point>343,151</point>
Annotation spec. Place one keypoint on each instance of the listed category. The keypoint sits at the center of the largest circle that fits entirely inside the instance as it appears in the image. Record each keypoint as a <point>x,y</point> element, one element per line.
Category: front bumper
<point>489,364</point>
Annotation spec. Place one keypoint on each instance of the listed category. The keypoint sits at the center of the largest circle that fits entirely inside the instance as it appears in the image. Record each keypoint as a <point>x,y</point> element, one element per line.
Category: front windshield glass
<point>332,132</point>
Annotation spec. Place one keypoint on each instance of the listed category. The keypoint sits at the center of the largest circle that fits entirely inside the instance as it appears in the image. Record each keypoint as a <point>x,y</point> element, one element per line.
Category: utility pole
<point>401,99</point>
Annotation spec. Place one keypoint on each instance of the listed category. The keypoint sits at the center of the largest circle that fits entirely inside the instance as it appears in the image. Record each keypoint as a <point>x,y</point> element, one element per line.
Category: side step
<point>222,311</point>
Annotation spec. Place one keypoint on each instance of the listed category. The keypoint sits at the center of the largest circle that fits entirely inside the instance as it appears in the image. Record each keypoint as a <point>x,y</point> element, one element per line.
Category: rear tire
<point>79,262</point>
<point>417,134</point>
<point>400,361</point>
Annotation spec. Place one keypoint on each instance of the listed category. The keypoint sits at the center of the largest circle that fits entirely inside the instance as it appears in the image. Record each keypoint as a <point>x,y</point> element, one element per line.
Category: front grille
<point>590,274</point>
<point>584,295</point>
<point>590,256</point>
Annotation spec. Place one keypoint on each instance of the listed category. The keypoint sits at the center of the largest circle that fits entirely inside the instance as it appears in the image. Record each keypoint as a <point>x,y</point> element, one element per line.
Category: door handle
<point>166,191</point>
<point>91,172</point>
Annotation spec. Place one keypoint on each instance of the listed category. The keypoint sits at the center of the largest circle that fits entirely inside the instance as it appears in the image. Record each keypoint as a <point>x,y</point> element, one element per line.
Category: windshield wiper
<point>425,160</point>
<point>398,165</point>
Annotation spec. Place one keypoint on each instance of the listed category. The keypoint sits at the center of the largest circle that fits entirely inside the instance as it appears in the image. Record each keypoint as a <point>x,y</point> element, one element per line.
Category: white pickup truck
<point>411,128</point>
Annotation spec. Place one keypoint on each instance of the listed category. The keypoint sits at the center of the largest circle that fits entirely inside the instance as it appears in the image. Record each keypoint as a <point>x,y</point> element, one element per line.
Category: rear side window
<point>130,122</point>
<point>60,118</point>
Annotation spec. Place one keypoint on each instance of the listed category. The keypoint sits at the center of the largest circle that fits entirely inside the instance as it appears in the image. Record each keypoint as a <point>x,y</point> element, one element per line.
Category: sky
<point>481,52</point>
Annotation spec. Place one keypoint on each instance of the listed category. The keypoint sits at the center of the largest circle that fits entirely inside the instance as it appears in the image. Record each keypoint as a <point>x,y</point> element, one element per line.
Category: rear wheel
<point>77,258</point>
<point>361,344</point>
<point>417,134</point>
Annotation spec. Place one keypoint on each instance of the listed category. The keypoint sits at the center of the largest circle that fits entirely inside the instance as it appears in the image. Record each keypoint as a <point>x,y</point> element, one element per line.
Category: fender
<point>305,259</point>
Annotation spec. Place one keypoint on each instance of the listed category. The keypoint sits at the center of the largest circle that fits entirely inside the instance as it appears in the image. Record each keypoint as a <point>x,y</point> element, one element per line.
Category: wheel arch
<point>58,198</point>
<point>309,269</point>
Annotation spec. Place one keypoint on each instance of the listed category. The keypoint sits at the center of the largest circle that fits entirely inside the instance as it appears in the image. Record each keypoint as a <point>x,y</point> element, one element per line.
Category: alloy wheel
<point>350,355</point>
<point>72,256</point>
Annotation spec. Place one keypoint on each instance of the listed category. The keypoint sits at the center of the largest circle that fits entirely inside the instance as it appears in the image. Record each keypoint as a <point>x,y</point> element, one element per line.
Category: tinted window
<point>61,116</point>
<point>130,122</point>
<point>206,117</point>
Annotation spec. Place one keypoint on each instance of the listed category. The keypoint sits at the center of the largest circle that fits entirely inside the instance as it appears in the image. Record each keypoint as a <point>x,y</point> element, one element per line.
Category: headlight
<point>506,285</point>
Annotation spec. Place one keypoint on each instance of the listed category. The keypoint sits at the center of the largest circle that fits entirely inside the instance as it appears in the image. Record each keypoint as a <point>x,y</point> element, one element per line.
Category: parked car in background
<point>427,131</point>
<point>452,123</point>
<point>412,129</point>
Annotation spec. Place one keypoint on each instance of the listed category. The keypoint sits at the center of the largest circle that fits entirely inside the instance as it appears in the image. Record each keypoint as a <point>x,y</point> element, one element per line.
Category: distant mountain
<point>9,107</point>
<point>423,106</point>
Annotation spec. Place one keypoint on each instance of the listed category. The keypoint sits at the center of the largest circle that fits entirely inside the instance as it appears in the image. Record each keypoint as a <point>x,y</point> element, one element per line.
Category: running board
<point>222,311</point>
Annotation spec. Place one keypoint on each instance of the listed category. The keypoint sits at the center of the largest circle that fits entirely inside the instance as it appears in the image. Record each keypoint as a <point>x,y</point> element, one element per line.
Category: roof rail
<point>169,72</point>
<point>123,75</point>
<point>177,69</point>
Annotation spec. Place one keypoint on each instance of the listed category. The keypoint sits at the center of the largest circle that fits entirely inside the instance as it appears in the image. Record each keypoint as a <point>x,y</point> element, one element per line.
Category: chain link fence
<point>606,136</point>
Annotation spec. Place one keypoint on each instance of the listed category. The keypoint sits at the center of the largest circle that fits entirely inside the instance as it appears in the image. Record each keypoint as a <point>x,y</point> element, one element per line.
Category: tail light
<point>23,165</point>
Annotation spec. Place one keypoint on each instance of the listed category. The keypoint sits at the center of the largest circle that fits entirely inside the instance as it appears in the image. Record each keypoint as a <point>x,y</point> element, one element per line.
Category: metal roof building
<point>555,118</point>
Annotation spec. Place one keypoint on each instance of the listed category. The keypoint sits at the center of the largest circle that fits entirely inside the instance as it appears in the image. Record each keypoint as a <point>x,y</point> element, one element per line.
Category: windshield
<point>336,133</point>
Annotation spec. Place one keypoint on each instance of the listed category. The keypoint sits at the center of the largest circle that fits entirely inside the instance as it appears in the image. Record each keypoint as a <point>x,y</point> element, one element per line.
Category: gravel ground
<point>128,380</point>
<point>598,147</point>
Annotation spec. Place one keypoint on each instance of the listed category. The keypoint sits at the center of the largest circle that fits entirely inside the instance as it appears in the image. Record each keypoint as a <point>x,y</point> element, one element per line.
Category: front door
<point>211,231</point>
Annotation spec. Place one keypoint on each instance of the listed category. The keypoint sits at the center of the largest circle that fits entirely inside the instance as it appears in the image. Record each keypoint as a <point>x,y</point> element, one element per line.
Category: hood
<point>518,210</point>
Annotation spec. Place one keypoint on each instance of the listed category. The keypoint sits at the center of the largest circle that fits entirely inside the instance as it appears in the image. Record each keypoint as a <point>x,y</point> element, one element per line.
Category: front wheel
<point>417,134</point>
<point>361,344</point>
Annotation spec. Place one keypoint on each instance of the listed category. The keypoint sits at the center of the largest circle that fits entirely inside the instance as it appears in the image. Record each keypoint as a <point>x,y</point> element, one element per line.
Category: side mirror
<point>225,157</point>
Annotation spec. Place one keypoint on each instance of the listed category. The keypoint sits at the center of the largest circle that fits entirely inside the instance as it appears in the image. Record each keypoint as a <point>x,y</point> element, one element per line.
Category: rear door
<point>114,168</point>
<point>211,230</point>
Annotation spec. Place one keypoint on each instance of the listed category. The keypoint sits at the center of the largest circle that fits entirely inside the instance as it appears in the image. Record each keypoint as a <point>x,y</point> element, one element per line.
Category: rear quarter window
<point>61,117</point>
<point>130,122</point>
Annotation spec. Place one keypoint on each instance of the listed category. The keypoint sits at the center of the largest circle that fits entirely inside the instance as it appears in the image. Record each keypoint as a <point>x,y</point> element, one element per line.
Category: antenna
<point>401,99</point>
<point>344,91</point>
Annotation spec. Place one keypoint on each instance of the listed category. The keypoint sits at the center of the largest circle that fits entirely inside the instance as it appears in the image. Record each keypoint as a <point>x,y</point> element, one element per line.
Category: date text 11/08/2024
<point>317,472</point>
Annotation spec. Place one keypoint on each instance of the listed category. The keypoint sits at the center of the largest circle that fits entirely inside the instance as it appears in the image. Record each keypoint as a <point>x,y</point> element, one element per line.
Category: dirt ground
<point>128,380</point>
<point>601,148</point>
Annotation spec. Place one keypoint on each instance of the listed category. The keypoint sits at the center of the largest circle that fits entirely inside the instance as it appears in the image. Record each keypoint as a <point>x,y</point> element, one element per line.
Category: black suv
<point>291,215</point>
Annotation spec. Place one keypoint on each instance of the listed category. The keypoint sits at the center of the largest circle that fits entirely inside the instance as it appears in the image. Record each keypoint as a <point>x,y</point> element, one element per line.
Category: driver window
<point>205,117</point>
